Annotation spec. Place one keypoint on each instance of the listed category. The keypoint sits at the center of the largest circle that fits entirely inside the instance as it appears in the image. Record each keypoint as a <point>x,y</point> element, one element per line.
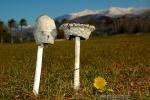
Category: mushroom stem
<point>77,64</point>
<point>38,70</point>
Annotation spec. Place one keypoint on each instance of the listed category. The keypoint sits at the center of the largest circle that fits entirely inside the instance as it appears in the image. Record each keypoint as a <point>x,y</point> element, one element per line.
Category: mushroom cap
<point>44,30</point>
<point>74,29</point>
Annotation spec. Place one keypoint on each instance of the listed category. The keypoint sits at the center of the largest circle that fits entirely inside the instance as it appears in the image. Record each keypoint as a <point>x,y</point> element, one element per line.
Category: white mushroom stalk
<point>44,33</point>
<point>77,64</point>
<point>78,31</point>
<point>38,70</point>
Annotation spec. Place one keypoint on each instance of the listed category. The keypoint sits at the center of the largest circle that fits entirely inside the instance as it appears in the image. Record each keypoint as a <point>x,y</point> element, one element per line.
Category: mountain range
<point>111,12</point>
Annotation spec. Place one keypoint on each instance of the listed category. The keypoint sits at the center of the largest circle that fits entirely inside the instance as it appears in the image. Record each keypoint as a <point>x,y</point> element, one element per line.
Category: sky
<point>31,9</point>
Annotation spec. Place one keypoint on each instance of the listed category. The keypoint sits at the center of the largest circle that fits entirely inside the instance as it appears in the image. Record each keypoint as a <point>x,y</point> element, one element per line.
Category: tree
<point>23,22</point>
<point>1,30</point>
<point>109,25</point>
<point>11,24</point>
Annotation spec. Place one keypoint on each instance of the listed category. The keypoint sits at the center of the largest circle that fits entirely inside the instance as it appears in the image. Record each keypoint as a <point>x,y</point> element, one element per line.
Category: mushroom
<point>44,34</point>
<point>77,31</point>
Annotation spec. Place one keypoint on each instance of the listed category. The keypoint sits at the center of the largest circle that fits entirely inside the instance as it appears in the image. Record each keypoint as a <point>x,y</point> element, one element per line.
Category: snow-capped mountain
<point>115,11</point>
<point>84,13</point>
<point>111,12</point>
<point>77,14</point>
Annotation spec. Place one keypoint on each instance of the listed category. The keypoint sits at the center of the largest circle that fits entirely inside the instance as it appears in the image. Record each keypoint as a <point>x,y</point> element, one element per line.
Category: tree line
<point>6,34</point>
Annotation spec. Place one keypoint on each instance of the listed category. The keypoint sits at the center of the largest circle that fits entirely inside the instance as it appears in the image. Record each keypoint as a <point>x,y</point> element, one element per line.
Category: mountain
<point>113,20</point>
<point>77,14</point>
<point>116,11</point>
<point>111,12</point>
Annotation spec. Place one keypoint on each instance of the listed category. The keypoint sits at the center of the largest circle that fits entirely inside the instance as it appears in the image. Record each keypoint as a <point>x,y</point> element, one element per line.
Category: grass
<point>123,60</point>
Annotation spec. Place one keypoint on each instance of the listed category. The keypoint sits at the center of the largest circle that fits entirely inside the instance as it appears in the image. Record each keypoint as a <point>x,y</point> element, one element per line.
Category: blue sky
<point>31,9</point>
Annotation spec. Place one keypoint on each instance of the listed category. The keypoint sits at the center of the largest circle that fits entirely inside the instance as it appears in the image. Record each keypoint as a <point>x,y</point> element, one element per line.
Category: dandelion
<point>99,83</point>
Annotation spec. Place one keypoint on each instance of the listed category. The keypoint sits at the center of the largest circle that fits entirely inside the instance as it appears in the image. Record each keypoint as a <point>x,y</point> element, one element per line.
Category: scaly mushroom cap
<point>75,29</point>
<point>44,30</point>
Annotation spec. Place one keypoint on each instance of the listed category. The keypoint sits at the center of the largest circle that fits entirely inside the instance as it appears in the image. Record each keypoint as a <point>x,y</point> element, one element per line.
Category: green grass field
<point>123,60</point>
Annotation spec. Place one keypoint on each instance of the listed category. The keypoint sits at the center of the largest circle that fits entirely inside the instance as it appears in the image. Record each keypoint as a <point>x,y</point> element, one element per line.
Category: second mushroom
<point>77,31</point>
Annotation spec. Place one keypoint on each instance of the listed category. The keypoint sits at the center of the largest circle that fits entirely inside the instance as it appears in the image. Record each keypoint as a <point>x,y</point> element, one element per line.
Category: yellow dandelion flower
<point>99,82</point>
